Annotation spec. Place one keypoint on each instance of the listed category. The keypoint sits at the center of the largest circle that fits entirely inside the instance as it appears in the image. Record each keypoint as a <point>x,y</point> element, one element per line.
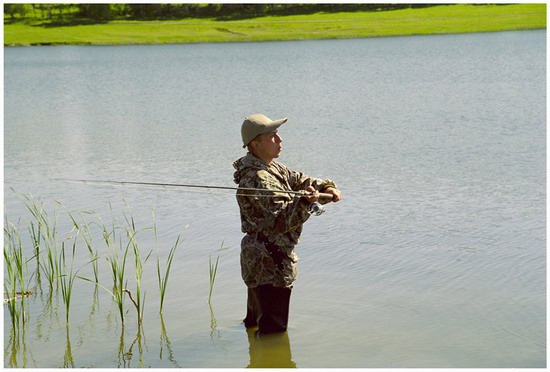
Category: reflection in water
<point>140,348</point>
<point>121,354</point>
<point>213,322</point>
<point>16,338</point>
<point>269,351</point>
<point>49,316</point>
<point>125,357</point>
<point>166,341</point>
<point>13,348</point>
<point>68,361</point>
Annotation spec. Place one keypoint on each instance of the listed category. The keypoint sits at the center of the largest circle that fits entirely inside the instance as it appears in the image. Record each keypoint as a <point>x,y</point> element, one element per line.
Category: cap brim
<point>270,127</point>
<point>273,125</point>
<point>279,122</point>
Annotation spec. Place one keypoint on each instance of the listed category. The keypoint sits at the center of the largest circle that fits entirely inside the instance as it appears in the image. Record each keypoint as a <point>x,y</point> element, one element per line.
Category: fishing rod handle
<point>325,197</point>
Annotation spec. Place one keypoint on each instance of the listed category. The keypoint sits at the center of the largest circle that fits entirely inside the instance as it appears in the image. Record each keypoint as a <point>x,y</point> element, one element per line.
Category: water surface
<point>435,258</point>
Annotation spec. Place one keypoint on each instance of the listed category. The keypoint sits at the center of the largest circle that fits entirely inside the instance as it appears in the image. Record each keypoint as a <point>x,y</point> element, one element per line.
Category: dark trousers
<point>267,308</point>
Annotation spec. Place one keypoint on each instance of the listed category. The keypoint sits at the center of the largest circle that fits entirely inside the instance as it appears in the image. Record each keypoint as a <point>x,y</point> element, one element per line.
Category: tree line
<point>107,12</point>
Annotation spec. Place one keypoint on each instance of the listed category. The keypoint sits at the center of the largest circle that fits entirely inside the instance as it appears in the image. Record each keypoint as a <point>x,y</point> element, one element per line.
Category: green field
<point>419,21</point>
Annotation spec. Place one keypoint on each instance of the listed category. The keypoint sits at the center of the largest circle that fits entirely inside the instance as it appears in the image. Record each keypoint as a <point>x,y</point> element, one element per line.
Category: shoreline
<point>260,41</point>
<point>437,20</point>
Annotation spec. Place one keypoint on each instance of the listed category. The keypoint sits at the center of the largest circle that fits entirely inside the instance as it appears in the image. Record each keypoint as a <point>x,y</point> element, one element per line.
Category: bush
<point>19,9</point>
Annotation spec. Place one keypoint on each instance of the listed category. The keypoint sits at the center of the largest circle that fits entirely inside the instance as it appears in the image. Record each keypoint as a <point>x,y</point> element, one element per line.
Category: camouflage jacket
<point>272,222</point>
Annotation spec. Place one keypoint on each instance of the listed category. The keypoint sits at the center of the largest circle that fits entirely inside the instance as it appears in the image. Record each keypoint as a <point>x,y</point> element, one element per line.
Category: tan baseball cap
<point>256,124</point>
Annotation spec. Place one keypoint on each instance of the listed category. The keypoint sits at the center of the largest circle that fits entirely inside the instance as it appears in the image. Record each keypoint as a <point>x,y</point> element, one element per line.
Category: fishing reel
<point>316,209</point>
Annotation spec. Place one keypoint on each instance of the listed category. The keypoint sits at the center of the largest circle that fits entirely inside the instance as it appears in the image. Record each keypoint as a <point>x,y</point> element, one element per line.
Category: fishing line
<point>314,208</point>
<point>269,193</point>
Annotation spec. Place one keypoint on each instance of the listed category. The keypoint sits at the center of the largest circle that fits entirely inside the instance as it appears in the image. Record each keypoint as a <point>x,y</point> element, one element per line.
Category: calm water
<point>435,258</point>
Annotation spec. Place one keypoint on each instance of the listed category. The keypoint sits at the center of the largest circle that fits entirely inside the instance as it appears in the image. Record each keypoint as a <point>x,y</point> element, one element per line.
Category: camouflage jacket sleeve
<point>274,212</point>
<point>299,181</point>
<point>281,213</point>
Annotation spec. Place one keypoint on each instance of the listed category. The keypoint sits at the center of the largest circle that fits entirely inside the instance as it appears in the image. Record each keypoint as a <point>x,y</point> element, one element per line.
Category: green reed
<point>68,275</point>
<point>118,268</point>
<point>117,264</point>
<point>45,237</point>
<point>131,232</point>
<point>36,237</point>
<point>163,279</point>
<point>83,229</point>
<point>66,278</point>
<point>57,260</point>
<point>16,267</point>
<point>13,260</point>
<point>214,271</point>
<point>139,303</point>
<point>119,249</point>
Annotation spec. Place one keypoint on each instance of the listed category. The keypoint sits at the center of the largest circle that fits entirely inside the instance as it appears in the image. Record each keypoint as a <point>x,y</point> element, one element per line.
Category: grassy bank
<point>422,21</point>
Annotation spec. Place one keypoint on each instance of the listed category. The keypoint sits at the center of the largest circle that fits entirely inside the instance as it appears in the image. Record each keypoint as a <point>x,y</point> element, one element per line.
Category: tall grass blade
<point>44,236</point>
<point>68,276</point>
<point>10,281</point>
<point>118,267</point>
<point>16,270</point>
<point>85,232</point>
<point>214,271</point>
<point>131,232</point>
<point>163,279</point>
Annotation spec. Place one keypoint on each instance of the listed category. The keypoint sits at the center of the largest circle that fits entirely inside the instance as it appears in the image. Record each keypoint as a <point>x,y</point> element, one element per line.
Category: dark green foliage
<point>96,11</point>
<point>89,13</point>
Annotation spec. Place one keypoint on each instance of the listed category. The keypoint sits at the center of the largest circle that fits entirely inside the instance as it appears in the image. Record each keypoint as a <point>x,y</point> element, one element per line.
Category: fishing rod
<point>301,193</point>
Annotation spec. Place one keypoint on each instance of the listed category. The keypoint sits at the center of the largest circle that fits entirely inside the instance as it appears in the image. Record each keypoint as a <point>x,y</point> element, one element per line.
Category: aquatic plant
<point>163,278</point>
<point>214,271</point>
<point>44,235</point>
<point>13,260</point>
<point>131,233</point>
<point>15,264</point>
<point>66,278</point>
<point>118,268</point>
<point>56,260</point>
<point>117,264</point>
<point>83,229</point>
<point>36,237</point>
<point>68,275</point>
<point>119,246</point>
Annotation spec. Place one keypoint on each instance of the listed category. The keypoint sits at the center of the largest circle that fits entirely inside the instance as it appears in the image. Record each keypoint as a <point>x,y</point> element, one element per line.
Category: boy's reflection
<point>270,350</point>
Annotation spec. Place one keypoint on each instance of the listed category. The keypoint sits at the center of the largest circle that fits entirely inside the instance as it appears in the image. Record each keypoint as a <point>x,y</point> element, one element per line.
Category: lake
<point>436,256</point>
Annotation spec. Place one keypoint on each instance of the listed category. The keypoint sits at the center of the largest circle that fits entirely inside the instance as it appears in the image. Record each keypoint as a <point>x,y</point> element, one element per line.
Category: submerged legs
<point>268,307</point>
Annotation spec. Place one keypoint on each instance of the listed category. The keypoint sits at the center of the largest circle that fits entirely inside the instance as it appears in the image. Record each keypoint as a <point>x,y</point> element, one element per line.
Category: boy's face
<point>268,146</point>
